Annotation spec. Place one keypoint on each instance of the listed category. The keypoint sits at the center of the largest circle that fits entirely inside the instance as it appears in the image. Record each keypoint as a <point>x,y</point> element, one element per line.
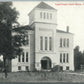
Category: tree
<point>77,57</point>
<point>82,59</point>
<point>8,16</point>
<point>19,39</point>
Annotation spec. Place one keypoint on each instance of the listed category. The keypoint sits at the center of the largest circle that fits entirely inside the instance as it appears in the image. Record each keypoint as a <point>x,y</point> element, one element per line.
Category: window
<point>50,43</point>
<point>23,57</point>
<point>19,58</point>
<point>64,57</point>
<point>26,56</point>
<point>27,68</point>
<point>60,57</point>
<point>67,42</point>
<point>67,59</point>
<point>47,16</point>
<point>45,43</point>
<point>50,16</point>
<point>19,67</point>
<point>41,43</point>
<point>60,42</point>
<point>64,42</point>
<point>44,15</point>
<point>40,14</point>
<point>67,67</point>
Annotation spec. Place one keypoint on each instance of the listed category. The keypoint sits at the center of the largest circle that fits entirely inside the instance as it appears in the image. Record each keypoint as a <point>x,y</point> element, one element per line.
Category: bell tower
<point>43,13</point>
<point>43,19</point>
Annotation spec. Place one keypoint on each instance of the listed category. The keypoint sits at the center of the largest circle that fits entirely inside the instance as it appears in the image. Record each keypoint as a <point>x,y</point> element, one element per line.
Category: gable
<point>43,5</point>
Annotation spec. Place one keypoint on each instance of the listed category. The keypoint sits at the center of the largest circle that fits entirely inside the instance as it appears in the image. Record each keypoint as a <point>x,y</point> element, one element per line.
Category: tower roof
<point>43,5</point>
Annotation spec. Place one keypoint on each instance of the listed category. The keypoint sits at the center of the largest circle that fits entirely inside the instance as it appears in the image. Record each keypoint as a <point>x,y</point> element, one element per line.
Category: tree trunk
<point>4,62</point>
<point>7,64</point>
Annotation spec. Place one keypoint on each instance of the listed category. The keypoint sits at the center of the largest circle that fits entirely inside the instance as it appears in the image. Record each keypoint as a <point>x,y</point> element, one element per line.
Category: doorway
<point>45,63</point>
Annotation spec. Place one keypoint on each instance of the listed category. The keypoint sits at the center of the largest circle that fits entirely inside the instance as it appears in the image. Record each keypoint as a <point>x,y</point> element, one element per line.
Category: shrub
<point>57,68</point>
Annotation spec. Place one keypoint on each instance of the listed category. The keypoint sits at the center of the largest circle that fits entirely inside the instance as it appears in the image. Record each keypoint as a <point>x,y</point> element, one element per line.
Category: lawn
<point>42,77</point>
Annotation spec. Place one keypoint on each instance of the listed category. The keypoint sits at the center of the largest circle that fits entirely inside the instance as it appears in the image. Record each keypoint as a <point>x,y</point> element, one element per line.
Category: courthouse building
<point>46,46</point>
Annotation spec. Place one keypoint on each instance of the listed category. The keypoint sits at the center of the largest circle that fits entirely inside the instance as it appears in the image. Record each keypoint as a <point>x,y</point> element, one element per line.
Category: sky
<point>68,14</point>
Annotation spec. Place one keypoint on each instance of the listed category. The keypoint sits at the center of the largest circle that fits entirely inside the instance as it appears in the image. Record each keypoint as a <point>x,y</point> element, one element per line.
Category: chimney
<point>67,29</point>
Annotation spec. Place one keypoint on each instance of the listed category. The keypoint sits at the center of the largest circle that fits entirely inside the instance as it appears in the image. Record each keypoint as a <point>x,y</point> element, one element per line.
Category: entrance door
<point>45,63</point>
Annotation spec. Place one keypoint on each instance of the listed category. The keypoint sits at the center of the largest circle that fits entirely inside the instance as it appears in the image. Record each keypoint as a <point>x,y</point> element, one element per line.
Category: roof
<point>61,31</point>
<point>43,5</point>
<point>27,27</point>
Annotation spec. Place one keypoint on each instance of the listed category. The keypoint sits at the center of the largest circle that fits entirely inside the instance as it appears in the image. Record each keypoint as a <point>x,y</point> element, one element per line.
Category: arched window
<point>50,43</point>
<point>41,43</point>
<point>46,40</point>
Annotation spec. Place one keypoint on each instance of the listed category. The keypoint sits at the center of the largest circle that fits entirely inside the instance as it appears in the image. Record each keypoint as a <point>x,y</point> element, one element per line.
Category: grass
<point>42,77</point>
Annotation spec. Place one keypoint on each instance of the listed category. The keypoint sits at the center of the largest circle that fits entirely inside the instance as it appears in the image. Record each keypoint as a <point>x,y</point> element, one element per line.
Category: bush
<point>35,70</point>
<point>57,68</point>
